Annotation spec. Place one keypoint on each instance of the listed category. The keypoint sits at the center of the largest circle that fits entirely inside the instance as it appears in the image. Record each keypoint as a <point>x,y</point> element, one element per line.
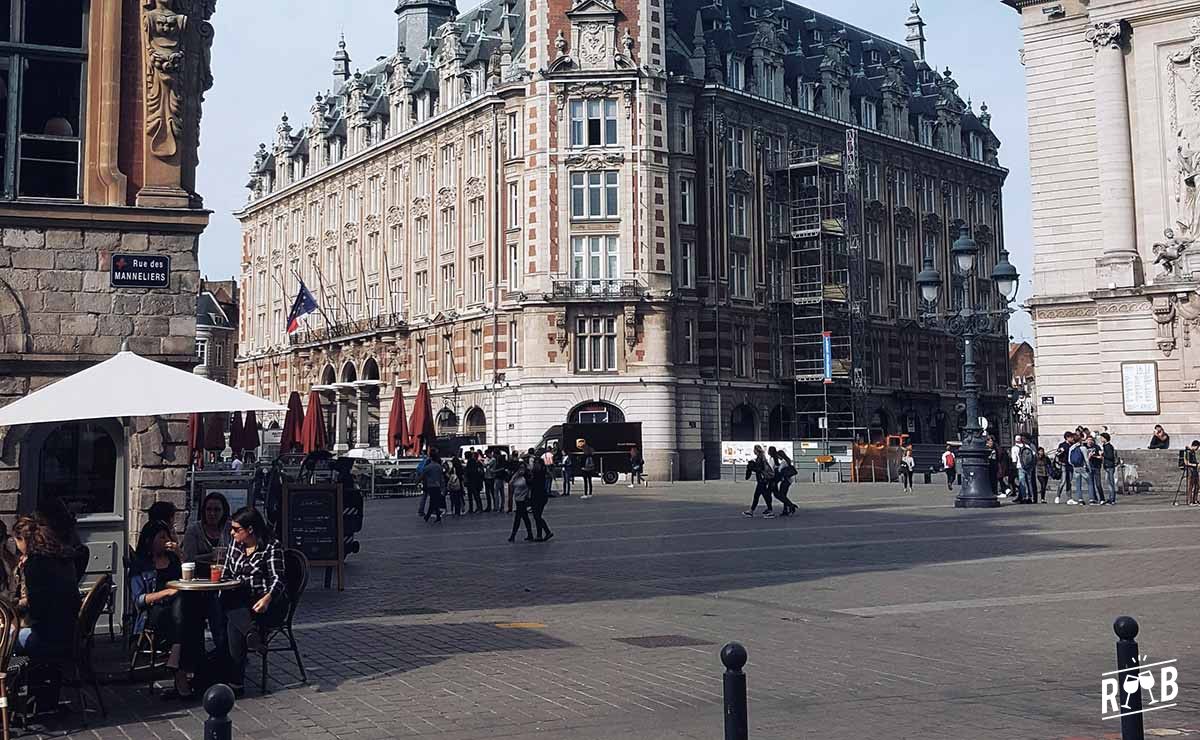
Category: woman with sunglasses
<point>261,603</point>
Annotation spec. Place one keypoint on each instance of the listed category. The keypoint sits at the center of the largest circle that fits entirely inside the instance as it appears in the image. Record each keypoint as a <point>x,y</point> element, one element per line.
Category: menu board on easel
<point>1139,387</point>
<point>312,524</point>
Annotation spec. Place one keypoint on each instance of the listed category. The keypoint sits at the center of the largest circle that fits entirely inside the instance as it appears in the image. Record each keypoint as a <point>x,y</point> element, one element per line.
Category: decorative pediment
<point>420,206</point>
<point>474,187</point>
<point>595,160</point>
<point>905,218</point>
<point>739,180</point>
<point>931,222</point>
<point>874,210</point>
<point>593,9</point>
<point>446,198</point>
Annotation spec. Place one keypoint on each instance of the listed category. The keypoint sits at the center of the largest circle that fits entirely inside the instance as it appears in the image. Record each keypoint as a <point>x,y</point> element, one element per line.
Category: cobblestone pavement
<point>870,614</point>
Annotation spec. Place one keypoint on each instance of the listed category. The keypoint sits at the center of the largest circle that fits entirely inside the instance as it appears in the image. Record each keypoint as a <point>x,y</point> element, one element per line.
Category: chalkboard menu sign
<point>312,524</point>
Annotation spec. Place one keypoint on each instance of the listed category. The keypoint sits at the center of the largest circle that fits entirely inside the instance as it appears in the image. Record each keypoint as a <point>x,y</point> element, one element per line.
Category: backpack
<point>1056,470</point>
<point>1027,458</point>
<point>948,461</point>
<point>1078,460</point>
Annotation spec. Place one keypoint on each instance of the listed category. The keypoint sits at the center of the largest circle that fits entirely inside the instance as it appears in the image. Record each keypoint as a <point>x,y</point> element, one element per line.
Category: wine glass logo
<point>1131,685</point>
<point>1146,681</point>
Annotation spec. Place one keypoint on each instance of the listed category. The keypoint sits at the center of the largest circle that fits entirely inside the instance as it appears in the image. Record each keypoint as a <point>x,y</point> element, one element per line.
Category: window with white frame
<point>901,188</point>
<point>475,220</point>
<point>593,122</point>
<point>683,130</point>
<point>688,340</point>
<point>374,195</point>
<point>926,131</point>
<point>737,213</point>
<point>735,76</point>
<point>808,95</point>
<point>904,298</point>
<point>775,157</point>
<point>395,246</point>
<point>219,348</point>
<point>421,292</point>
<point>741,352</point>
<point>735,148</point>
<point>514,204</point>
<point>777,278</point>
<point>868,114</point>
<point>929,249</point>
<point>514,267</point>
<point>594,194</point>
<point>395,186</point>
<point>875,294</point>
<point>372,254</point>
<point>975,143</point>
<point>928,194</point>
<point>352,204</point>
<point>595,261</point>
<point>280,233</point>
<point>333,212</point>
<point>297,226</point>
<point>770,81</point>
<point>903,245</point>
<point>202,351</point>
<point>448,166</point>
<point>687,264</point>
<point>421,236</point>
<point>350,261</point>
<point>397,294</point>
<point>595,344</point>
<point>373,303</point>
<point>687,205</point>
<point>312,224</point>
<point>871,181</point>
<point>475,154</point>
<point>420,176</point>
<point>476,354</point>
<point>422,361</point>
<point>446,366</point>
<point>478,276</point>
<point>514,345</point>
<point>514,135</point>
<point>448,286</point>
<point>956,193</point>
<point>352,306</point>
<point>873,239</point>
<point>740,275</point>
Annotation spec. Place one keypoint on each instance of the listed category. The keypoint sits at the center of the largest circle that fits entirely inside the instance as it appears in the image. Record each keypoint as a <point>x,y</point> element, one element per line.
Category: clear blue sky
<point>261,75</point>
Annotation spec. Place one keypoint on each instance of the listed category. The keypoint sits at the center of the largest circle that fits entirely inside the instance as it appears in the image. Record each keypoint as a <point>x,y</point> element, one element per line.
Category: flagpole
<point>328,323</point>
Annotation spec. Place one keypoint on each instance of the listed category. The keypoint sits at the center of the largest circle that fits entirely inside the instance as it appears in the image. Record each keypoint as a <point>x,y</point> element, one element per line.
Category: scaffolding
<point>825,303</point>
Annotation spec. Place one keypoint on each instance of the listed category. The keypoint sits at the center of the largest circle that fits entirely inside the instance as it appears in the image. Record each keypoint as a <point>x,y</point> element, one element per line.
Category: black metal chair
<point>10,625</point>
<point>77,666</point>
<point>295,576</point>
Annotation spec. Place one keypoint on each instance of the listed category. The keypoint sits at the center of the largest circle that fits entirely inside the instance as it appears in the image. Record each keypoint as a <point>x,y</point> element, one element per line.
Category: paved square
<point>870,614</point>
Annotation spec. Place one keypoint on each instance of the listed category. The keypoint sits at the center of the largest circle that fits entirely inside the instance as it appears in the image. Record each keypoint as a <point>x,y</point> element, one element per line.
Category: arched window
<point>743,423</point>
<point>476,423</point>
<point>596,412</point>
<point>78,464</point>
<point>446,422</point>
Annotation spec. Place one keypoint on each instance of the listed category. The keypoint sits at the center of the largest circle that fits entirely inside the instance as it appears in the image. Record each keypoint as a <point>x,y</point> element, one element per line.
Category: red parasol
<point>420,427</point>
<point>196,437</point>
<point>237,434</point>
<point>214,432</point>
<point>250,430</point>
<point>312,432</point>
<point>397,424</point>
<point>290,439</point>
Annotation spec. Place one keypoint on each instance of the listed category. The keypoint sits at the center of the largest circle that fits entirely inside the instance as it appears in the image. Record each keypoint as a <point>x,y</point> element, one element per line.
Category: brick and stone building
<point>216,330</point>
<point>1114,124</point>
<point>99,162</point>
<point>555,210</point>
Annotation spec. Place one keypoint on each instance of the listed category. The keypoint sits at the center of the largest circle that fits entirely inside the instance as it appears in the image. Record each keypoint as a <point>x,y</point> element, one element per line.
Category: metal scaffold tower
<point>825,295</point>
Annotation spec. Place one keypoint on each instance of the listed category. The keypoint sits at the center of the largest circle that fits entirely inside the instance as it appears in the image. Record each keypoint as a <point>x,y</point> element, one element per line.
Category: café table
<point>204,585</point>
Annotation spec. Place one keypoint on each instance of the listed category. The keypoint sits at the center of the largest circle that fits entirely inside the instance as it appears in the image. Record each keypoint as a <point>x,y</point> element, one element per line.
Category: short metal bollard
<point>733,655</point>
<point>218,702</point>
<point>1127,657</point>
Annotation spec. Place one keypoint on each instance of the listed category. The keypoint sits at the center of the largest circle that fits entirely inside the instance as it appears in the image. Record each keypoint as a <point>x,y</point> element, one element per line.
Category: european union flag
<point>304,304</point>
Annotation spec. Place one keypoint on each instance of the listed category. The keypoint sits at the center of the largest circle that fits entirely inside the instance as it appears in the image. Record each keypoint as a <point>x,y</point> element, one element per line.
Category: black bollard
<point>218,701</point>
<point>733,656</point>
<point>1127,657</point>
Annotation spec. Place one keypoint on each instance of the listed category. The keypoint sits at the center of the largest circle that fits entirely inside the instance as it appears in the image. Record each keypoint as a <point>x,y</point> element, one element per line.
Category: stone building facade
<point>100,164</point>
<point>521,205</point>
<point>1115,213</point>
<point>216,331</point>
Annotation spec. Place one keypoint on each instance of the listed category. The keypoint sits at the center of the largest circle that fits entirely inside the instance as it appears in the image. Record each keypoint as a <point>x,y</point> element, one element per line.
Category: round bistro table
<point>197,585</point>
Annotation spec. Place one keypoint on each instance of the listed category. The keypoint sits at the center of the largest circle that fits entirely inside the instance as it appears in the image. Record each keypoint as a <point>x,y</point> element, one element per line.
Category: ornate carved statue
<point>1169,252</point>
<point>1183,70</point>
<point>164,73</point>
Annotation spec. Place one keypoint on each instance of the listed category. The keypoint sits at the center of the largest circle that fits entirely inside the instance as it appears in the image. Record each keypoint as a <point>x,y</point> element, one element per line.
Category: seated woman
<point>257,559</point>
<point>160,607</point>
<point>48,593</point>
<point>200,545</point>
<point>1160,440</point>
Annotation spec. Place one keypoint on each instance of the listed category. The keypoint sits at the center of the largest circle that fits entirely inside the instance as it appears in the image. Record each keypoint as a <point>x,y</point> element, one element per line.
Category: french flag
<point>304,304</point>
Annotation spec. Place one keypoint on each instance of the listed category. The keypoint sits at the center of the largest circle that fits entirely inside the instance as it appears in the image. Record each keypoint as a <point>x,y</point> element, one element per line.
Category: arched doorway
<point>779,423</point>
<point>476,424</point>
<point>370,371</point>
<point>446,422</point>
<point>349,374</point>
<point>328,375</point>
<point>596,412</point>
<point>743,424</point>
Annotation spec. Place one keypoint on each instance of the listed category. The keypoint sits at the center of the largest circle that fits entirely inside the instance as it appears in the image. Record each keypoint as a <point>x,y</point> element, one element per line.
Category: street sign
<point>823,422</point>
<point>1047,400</point>
<point>140,271</point>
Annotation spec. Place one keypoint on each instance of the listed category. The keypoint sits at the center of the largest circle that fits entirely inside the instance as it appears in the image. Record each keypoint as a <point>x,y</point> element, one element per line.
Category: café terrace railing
<point>324,332</point>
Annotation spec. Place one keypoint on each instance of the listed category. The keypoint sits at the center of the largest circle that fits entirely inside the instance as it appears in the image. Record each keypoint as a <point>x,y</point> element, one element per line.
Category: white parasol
<point>128,385</point>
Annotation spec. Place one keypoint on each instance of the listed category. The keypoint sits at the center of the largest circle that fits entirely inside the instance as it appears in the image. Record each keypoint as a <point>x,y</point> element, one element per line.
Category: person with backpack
<point>1109,461</point>
<point>784,472</point>
<point>521,494</point>
<point>454,486</point>
<point>587,466</point>
<point>948,462</point>
<point>1077,458</point>
<point>473,478</point>
<point>1025,460</point>
<point>1041,473</point>
<point>907,468</point>
<point>764,475</point>
<point>1062,458</point>
<point>1095,470</point>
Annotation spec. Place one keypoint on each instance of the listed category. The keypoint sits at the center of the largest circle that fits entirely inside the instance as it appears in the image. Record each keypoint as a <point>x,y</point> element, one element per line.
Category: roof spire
<point>341,61</point>
<point>916,30</point>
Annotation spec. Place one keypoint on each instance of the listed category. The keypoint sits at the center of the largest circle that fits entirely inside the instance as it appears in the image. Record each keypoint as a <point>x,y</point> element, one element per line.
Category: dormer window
<point>873,56</point>
<point>817,36</point>
<point>975,143</point>
<point>927,129</point>
<point>753,12</point>
<point>868,114</point>
<point>786,24</point>
<point>737,77</point>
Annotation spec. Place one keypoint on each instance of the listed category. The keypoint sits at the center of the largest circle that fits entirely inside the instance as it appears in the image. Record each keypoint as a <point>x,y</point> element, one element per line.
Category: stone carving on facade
<point>178,73</point>
<point>594,160</point>
<point>1170,251</point>
<point>1183,69</point>
<point>931,222</point>
<point>1162,307</point>
<point>560,329</point>
<point>446,198</point>
<point>631,321</point>
<point>905,218</point>
<point>596,91</point>
<point>420,207</point>
<point>474,187</point>
<point>1106,35</point>
<point>395,214</point>
<point>739,180</point>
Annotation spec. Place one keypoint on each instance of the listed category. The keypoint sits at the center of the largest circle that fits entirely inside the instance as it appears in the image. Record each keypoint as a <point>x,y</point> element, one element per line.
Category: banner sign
<point>140,271</point>
<point>827,350</point>
<point>740,453</point>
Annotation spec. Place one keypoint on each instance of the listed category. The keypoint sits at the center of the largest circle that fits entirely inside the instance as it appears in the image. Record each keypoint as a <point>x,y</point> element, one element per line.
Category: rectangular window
<point>875,294</point>
<point>687,208</point>
<point>903,245</point>
<point>475,215</point>
<point>868,114</point>
<point>927,130</point>
<point>595,263</point>
<point>448,286</point>
<point>735,72</point>
<point>775,158</point>
<point>475,267</point>
<point>448,166</point>
<point>901,188</point>
<point>770,81</point>
<point>514,267</point>
<point>475,155</point>
<point>735,148</point>
<point>514,345</point>
<point>449,230</point>
<point>449,373</point>
<point>514,135</point>
<point>595,344</point>
<point>689,341</point>
<point>741,352</point>
<point>202,351</point>
<point>41,111</point>
<point>297,225</point>
<point>421,305</point>
<point>871,181</point>
<point>872,236</point>
<point>421,176</point>
<point>373,302</point>
<point>422,362</point>
<point>737,213</point>
<point>352,303</point>
<point>777,278</point>
<point>352,204</point>
<point>394,187</point>
<point>955,200</point>
<point>687,264</point>
<point>683,130</point>
<point>374,195</point>
<point>397,295</point>
<point>372,255</point>
<point>514,204</point>
<point>312,225</point>
<point>594,194</point>
<point>421,236</point>
<point>333,213</point>
<point>928,194</point>
<point>904,298</point>
<point>808,96</point>
<point>395,246</point>
<point>741,275</point>
<point>593,122</point>
<point>476,354</point>
<point>976,143</point>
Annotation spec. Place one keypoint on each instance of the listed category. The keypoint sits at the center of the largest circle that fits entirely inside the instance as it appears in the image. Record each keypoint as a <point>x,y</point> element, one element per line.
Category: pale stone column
<point>364,417</point>
<point>1118,265</point>
<point>341,430</point>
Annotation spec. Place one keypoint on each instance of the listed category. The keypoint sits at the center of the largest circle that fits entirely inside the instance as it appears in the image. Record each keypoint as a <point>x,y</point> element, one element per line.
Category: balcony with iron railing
<point>324,332</point>
<point>596,290</point>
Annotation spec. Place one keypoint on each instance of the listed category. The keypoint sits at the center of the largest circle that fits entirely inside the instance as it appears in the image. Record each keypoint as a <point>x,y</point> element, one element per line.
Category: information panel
<point>140,271</point>
<point>1139,387</point>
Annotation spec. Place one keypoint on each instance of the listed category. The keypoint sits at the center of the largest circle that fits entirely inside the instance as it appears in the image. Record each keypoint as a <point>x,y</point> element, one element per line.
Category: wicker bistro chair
<point>10,625</point>
<point>77,666</point>
<point>295,576</point>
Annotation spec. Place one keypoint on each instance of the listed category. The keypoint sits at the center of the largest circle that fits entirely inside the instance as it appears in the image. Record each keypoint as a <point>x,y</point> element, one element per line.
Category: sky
<point>260,76</point>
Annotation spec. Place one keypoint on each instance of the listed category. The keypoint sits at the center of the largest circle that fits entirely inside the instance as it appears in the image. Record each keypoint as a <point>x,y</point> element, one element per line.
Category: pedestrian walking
<point>473,477</point>
<point>763,476</point>
<point>548,464</point>
<point>1025,459</point>
<point>433,481</point>
<point>1041,474</point>
<point>520,492</point>
<point>784,472</point>
<point>1062,456</point>
<point>498,491</point>
<point>995,466</point>
<point>907,467</point>
<point>454,486</point>
<point>539,497</point>
<point>635,466</point>
<point>489,479</point>
<point>588,468</point>
<point>568,472</point>
<point>948,466</point>
<point>1191,463</point>
<point>1109,462</point>
<point>423,504</point>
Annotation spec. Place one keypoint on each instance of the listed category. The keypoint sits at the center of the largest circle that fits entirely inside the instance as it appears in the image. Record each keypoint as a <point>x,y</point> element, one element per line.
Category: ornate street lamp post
<point>969,322</point>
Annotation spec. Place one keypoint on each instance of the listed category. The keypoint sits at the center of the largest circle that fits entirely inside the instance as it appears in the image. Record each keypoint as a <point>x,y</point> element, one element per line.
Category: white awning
<point>128,385</point>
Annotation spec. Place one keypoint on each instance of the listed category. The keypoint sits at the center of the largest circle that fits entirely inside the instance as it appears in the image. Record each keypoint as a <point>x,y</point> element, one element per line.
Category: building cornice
<point>109,218</point>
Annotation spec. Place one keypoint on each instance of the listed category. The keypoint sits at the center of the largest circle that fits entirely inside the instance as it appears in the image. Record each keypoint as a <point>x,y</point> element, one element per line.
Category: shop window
<point>78,464</point>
